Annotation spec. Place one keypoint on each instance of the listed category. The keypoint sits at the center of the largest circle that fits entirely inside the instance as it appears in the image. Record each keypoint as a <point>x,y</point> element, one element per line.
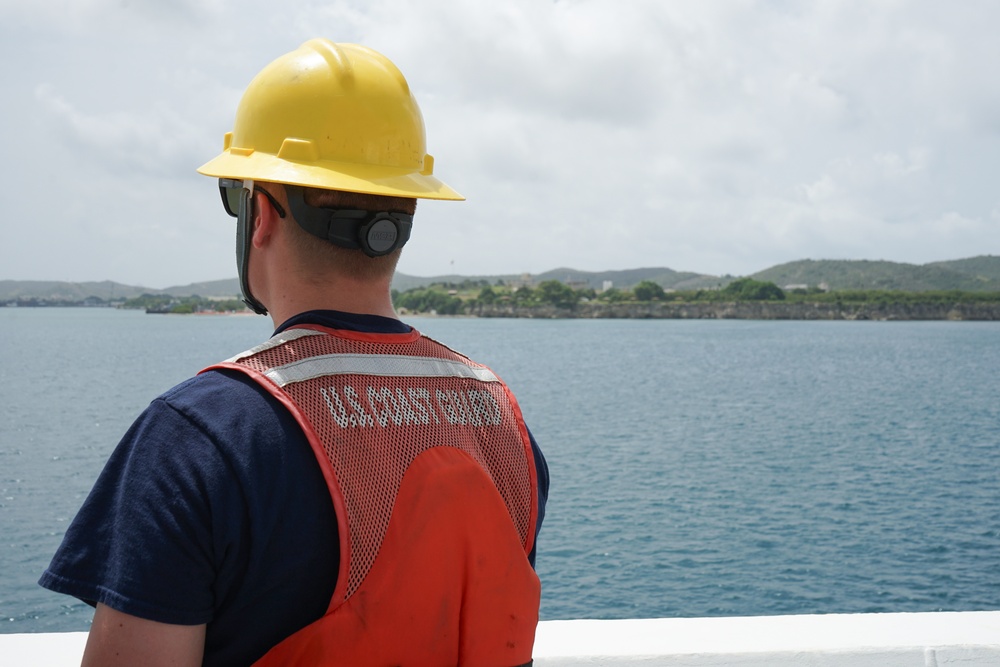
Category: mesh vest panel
<point>371,404</point>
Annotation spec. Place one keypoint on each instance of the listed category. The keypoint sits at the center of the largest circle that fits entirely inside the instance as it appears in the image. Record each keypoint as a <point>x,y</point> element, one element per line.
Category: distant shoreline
<point>751,310</point>
<point>734,310</point>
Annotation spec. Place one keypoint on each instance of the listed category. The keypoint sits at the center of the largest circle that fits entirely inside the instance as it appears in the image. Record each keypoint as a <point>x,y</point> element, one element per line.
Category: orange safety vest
<point>432,477</point>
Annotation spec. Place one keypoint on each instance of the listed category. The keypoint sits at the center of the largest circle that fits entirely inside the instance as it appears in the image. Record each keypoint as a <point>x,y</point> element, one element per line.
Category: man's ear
<point>265,220</point>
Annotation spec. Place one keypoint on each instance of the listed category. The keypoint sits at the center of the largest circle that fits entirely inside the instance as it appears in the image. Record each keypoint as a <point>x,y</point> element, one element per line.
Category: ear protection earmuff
<point>375,233</point>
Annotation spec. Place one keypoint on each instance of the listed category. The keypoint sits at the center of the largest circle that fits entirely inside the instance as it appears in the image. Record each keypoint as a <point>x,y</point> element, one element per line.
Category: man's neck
<point>344,295</point>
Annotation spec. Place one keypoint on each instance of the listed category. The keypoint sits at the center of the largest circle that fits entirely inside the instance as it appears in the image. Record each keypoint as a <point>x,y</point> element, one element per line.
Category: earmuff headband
<point>375,233</point>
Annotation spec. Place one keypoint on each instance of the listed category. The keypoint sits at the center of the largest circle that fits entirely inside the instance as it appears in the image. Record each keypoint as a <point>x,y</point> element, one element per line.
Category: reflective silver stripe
<point>274,341</point>
<point>387,365</point>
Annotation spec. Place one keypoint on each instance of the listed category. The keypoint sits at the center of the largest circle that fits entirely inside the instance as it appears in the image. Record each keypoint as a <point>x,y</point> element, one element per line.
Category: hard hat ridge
<point>335,57</point>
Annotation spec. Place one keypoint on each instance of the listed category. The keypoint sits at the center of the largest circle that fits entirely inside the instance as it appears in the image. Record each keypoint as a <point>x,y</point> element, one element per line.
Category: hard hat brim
<point>329,175</point>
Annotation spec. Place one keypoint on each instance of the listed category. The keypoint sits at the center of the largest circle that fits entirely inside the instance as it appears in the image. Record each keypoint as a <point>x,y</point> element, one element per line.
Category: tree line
<point>456,299</point>
<point>161,303</point>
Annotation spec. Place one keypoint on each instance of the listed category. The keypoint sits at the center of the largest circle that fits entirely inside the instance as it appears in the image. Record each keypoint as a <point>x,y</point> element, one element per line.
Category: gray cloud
<point>718,137</point>
<point>156,141</point>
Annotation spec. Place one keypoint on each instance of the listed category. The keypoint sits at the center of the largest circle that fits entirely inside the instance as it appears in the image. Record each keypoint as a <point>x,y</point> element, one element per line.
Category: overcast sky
<point>708,136</point>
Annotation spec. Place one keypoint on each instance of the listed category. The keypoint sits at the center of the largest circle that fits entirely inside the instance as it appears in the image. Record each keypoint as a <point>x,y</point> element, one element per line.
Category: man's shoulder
<point>215,384</point>
<point>221,401</point>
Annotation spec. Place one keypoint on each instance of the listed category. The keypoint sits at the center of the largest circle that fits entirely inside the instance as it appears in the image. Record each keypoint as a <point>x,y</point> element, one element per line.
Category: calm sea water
<point>699,468</point>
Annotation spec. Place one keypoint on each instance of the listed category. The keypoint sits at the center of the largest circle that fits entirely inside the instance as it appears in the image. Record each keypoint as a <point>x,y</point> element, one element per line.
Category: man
<point>349,492</point>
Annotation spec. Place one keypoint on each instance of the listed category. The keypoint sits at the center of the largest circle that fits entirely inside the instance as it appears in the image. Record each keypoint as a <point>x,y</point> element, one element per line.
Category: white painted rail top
<point>836,640</point>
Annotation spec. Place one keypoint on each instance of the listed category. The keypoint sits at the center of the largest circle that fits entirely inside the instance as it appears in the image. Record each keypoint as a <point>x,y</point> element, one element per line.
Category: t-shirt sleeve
<point>144,542</point>
<point>542,477</point>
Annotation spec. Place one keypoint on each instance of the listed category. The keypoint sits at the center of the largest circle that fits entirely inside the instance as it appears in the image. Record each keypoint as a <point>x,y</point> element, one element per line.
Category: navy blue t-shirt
<point>212,509</point>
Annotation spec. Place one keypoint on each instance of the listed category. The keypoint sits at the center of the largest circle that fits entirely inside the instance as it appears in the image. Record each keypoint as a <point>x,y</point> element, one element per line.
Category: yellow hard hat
<point>333,116</point>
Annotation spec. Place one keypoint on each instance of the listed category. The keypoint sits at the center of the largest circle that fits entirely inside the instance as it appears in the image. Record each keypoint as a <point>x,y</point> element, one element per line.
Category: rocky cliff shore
<point>749,310</point>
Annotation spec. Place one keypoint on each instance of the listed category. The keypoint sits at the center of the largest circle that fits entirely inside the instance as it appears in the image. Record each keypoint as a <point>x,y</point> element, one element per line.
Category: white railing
<point>969,639</point>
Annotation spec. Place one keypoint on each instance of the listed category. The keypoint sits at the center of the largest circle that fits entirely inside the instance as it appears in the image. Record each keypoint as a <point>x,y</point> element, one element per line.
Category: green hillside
<point>229,287</point>
<point>403,282</point>
<point>976,274</point>
<point>666,278</point>
<point>65,291</point>
<point>984,267</point>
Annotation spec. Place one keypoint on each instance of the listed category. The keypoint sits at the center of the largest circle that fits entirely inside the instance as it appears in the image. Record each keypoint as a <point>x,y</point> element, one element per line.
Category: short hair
<point>319,257</point>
